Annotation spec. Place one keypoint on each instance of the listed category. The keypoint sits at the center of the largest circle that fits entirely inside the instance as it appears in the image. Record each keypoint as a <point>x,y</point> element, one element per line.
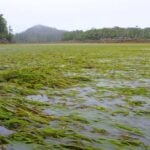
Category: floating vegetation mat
<point>75,97</point>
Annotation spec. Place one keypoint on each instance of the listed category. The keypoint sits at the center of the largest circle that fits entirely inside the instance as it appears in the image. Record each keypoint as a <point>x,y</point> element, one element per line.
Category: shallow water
<point>94,110</point>
<point>5,132</point>
<point>122,83</point>
<point>19,146</point>
<point>40,98</point>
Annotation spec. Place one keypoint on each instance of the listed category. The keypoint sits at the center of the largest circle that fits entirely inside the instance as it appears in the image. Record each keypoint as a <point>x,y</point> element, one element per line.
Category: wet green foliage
<point>76,97</point>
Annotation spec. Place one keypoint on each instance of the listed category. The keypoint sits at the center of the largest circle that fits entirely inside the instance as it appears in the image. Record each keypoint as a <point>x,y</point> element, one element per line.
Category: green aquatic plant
<point>52,132</point>
<point>121,111</point>
<point>3,140</point>
<point>72,122</point>
<point>15,123</point>
<point>129,129</point>
<point>101,131</point>
<point>100,108</point>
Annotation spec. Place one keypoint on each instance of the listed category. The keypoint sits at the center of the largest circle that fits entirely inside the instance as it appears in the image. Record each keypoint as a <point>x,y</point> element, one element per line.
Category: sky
<point>75,14</point>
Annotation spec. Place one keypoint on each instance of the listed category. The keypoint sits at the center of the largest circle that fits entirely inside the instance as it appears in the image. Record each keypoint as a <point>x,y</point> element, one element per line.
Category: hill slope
<point>39,34</point>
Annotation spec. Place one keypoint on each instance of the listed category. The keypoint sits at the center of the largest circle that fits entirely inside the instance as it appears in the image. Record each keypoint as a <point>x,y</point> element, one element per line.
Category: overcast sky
<point>76,14</point>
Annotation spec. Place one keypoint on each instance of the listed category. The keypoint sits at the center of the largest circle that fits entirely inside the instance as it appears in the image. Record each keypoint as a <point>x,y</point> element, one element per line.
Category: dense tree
<point>3,27</point>
<point>5,33</point>
<point>115,33</point>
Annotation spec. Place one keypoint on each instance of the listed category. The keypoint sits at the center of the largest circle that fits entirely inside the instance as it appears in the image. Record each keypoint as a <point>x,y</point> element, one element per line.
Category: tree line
<point>5,32</point>
<point>46,34</point>
<point>115,33</point>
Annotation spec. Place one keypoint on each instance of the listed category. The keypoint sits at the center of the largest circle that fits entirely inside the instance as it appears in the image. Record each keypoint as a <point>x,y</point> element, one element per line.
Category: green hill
<point>39,34</point>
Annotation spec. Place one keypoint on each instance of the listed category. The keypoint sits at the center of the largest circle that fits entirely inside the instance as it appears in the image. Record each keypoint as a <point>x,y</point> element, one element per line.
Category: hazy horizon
<point>72,15</point>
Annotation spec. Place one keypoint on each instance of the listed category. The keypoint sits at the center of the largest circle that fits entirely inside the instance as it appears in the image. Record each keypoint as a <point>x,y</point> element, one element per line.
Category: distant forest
<point>115,33</point>
<point>44,34</point>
